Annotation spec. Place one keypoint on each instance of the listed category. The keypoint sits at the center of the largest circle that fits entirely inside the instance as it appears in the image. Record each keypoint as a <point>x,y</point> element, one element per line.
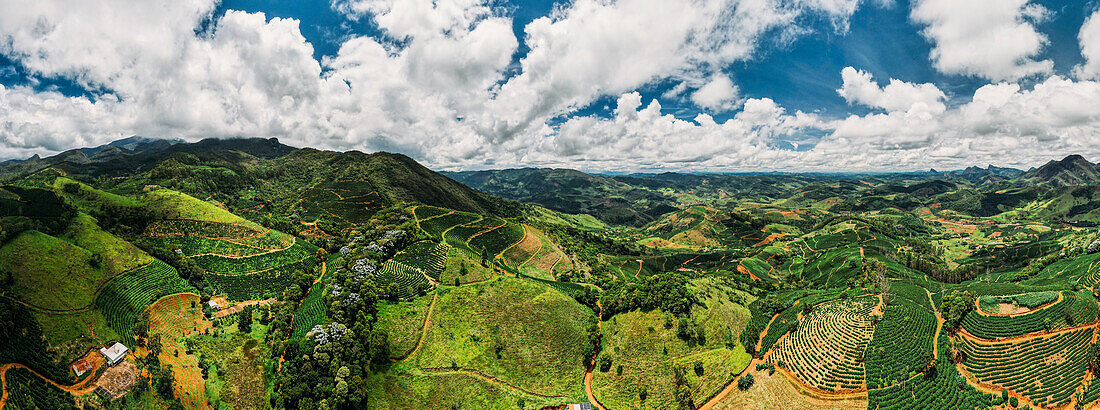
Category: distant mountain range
<point>634,199</point>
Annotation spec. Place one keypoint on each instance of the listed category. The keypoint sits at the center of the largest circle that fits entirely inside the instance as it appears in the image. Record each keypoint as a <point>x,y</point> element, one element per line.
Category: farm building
<point>214,305</point>
<point>114,354</point>
<point>81,366</point>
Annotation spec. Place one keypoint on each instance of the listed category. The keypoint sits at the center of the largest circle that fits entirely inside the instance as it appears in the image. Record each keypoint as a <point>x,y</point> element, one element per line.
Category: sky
<point>595,85</point>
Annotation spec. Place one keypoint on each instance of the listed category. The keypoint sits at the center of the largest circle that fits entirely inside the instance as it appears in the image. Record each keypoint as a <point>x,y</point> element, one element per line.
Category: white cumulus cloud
<point>992,39</point>
<point>860,88</point>
<point>1089,38</point>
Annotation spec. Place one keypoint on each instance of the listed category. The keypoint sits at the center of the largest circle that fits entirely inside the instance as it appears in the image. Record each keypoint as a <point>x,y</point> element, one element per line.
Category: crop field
<point>780,391</point>
<point>782,323</point>
<point>943,389</point>
<point>497,240</point>
<point>198,245</point>
<point>407,280</point>
<point>175,317</point>
<point>460,236</point>
<point>30,202</point>
<point>474,271</point>
<point>1083,270</point>
<point>547,262</point>
<point>353,202</point>
<point>826,349</point>
<point>117,255</point>
<point>487,327</point>
<point>241,379</point>
<point>1045,369</point>
<point>1076,308</point>
<point>902,344</point>
<point>427,256</point>
<point>126,297</point>
<point>423,212</point>
<point>403,322</point>
<point>261,285</point>
<point>436,226</point>
<point>311,312</point>
<point>28,392</point>
<point>23,342</point>
<point>227,231</point>
<point>401,388</point>
<point>301,250</point>
<point>1008,304</point>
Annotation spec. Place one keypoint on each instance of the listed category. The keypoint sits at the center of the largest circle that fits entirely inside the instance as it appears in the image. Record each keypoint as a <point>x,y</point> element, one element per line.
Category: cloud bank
<point>444,82</point>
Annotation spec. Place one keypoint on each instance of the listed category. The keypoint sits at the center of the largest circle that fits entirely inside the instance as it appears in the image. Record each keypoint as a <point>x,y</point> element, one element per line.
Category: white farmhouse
<point>114,354</point>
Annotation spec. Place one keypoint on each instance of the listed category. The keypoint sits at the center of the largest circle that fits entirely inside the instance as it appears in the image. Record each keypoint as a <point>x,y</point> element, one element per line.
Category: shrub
<point>745,382</point>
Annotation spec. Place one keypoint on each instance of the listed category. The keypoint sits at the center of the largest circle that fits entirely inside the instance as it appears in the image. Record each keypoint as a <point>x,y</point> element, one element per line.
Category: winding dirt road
<point>79,388</point>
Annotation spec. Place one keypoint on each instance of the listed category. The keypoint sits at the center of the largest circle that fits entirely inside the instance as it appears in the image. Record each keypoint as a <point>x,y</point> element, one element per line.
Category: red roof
<point>82,365</point>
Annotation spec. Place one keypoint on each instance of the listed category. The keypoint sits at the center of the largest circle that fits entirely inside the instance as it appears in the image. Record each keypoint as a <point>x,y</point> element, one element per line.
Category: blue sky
<point>419,75</point>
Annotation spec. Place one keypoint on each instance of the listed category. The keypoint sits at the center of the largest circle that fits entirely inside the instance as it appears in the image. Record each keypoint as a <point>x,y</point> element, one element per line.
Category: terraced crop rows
<point>1045,369</point>
<point>944,389</point>
<point>125,297</point>
<point>255,263</point>
<point>438,225</point>
<point>260,285</point>
<point>1076,308</point>
<point>209,229</point>
<point>497,240</point>
<point>826,350</point>
<point>427,256</point>
<point>352,201</point>
<point>423,212</point>
<point>311,312</point>
<point>408,280</point>
<point>902,344</point>
<point>197,245</point>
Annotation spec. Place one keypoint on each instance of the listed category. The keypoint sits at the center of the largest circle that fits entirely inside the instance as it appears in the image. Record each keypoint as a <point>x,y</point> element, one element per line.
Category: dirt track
<point>423,331</point>
<point>592,364</point>
<point>79,388</point>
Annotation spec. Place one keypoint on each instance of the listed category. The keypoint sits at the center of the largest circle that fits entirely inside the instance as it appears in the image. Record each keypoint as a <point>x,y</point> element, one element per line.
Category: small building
<point>114,354</point>
<point>580,406</point>
<point>81,366</point>
<point>214,305</point>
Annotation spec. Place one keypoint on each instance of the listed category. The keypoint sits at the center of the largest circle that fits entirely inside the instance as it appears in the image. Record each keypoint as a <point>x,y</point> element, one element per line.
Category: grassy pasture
<point>524,334</point>
<point>51,273</point>
<point>646,346</point>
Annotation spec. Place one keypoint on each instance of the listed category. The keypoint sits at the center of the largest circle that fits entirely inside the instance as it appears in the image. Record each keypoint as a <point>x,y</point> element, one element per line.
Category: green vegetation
<point>438,296</point>
<point>125,297</point>
<point>902,344</point>
<point>1076,308</point>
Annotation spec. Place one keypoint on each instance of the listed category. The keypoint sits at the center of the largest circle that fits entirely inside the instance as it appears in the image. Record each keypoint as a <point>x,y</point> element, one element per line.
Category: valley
<point>250,274</point>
